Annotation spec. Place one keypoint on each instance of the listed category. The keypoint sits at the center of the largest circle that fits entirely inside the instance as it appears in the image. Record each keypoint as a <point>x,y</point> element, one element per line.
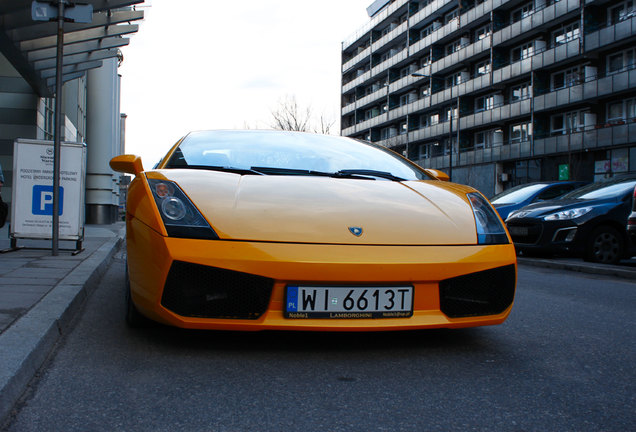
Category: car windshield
<point>517,194</point>
<point>290,153</point>
<point>613,188</point>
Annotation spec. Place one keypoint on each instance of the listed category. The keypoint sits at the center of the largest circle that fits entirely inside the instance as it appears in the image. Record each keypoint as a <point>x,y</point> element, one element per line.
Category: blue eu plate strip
<point>292,299</point>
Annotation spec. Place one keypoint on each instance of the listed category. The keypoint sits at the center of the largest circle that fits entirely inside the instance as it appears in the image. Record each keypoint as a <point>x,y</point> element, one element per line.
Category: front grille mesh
<point>195,290</point>
<point>525,233</point>
<point>488,292</point>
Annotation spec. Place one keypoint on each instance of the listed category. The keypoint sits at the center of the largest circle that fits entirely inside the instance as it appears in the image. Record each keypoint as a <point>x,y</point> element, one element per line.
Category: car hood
<point>543,208</point>
<point>308,209</point>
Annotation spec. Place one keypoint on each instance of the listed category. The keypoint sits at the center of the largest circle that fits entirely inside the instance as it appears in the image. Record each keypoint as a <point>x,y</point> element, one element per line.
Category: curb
<point>25,346</point>
<point>582,267</point>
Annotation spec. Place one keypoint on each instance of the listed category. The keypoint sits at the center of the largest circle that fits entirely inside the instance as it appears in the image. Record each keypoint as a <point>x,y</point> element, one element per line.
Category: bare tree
<point>289,116</point>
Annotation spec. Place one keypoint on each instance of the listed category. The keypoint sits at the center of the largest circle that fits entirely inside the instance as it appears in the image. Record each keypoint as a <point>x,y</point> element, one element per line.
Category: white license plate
<point>348,302</point>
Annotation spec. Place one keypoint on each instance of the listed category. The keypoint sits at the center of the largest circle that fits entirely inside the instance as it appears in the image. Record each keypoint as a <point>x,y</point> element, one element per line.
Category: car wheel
<point>134,318</point>
<point>605,245</point>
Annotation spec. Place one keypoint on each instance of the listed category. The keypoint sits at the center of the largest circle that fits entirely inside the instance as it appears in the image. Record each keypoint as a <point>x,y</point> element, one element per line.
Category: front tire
<point>134,318</point>
<point>605,245</point>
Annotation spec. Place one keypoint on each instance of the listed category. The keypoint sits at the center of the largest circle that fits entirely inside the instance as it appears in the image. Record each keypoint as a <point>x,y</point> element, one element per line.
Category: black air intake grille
<point>488,292</point>
<point>195,290</point>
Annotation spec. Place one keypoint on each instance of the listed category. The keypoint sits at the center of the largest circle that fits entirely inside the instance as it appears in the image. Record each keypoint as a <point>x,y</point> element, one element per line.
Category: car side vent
<point>194,290</point>
<point>488,292</point>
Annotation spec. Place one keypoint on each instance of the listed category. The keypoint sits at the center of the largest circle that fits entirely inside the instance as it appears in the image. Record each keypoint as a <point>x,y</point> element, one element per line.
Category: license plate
<point>348,302</point>
<point>519,231</point>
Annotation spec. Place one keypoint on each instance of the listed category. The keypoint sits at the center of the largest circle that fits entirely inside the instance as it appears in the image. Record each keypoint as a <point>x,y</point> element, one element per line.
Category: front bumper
<point>275,265</point>
<point>543,236</point>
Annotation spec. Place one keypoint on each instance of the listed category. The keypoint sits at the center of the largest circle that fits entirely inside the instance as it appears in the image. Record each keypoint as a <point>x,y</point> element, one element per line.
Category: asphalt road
<point>564,361</point>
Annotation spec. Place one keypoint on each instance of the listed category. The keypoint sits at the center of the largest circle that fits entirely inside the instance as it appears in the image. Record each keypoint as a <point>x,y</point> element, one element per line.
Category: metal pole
<point>458,130</point>
<point>450,133</point>
<point>58,127</point>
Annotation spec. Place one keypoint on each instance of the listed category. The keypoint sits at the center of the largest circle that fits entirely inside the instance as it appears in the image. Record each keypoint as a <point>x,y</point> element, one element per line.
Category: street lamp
<point>450,121</point>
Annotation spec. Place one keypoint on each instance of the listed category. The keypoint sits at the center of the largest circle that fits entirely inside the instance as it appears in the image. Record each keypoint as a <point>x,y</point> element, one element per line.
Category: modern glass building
<point>497,92</point>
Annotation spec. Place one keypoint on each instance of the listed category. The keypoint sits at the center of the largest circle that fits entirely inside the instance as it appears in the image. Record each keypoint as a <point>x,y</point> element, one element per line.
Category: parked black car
<point>631,221</point>
<point>520,196</point>
<point>588,222</point>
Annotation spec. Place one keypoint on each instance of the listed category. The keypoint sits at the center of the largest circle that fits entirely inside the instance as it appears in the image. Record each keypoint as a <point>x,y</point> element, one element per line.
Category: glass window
<point>520,13</point>
<point>621,110</point>
<point>453,80</point>
<point>621,12</point>
<point>522,52</point>
<point>517,194</point>
<point>620,61</point>
<point>566,34</point>
<point>572,121</point>
<point>520,132</point>
<point>482,32</point>
<point>520,92</point>
<point>451,15</point>
<point>484,103</point>
<point>567,78</point>
<point>486,139</point>
<point>287,151</point>
<point>452,47</point>
<point>482,68</point>
<point>615,187</point>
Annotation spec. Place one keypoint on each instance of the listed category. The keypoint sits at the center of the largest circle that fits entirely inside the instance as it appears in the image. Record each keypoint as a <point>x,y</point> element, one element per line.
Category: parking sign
<point>32,206</point>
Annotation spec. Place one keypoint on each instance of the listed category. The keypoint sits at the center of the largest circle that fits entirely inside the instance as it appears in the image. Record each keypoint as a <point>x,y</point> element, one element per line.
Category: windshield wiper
<point>367,173</point>
<point>220,168</point>
<point>346,173</point>
<point>289,171</point>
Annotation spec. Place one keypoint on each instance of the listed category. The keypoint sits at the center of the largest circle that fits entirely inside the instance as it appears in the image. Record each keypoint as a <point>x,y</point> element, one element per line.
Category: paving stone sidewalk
<point>39,296</point>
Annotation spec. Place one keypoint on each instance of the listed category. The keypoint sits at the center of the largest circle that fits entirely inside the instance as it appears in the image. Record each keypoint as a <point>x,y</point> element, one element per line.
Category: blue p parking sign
<point>43,200</point>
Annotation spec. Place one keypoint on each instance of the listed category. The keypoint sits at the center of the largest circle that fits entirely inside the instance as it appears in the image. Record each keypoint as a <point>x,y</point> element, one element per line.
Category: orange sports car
<point>258,230</point>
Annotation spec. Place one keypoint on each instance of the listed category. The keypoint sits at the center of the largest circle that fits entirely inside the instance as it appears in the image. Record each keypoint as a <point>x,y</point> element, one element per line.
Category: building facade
<point>90,94</point>
<point>497,92</point>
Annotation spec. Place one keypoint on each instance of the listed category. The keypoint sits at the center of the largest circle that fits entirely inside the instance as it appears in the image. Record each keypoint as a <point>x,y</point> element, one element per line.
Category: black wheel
<point>134,318</point>
<point>605,245</point>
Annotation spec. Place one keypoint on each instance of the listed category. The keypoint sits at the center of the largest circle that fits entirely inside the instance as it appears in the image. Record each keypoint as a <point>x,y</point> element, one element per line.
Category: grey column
<point>102,142</point>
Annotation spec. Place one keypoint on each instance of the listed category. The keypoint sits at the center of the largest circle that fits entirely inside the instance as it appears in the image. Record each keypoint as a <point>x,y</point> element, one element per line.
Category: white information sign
<point>32,207</point>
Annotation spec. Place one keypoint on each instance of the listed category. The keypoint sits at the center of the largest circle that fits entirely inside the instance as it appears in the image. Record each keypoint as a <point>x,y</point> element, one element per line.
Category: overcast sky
<point>202,64</point>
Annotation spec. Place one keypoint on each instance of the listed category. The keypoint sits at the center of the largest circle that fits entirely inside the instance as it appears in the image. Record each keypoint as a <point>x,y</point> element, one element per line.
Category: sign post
<point>40,11</point>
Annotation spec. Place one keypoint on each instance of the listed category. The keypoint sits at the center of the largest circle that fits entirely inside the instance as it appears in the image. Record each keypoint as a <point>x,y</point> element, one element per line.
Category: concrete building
<point>535,90</point>
<point>90,96</point>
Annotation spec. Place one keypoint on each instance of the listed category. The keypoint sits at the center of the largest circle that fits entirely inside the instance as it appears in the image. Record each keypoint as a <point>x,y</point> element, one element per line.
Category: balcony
<point>610,34</point>
<point>602,135</point>
<point>463,55</point>
<point>497,115</point>
<point>356,60</point>
<point>592,89</point>
<point>440,33</point>
<point>377,97</point>
<point>536,20</point>
<point>428,10</point>
<point>390,62</point>
<point>377,19</point>
<point>390,37</point>
<point>537,61</point>
<point>356,82</point>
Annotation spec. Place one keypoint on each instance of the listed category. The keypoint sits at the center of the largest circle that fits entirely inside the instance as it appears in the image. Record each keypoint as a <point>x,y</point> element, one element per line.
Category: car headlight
<point>180,217</point>
<point>568,214</point>
<point>516,214</point>
<point>490,230</point>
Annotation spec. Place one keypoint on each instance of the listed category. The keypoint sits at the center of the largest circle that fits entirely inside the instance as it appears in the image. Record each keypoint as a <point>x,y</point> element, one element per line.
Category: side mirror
<point>129,164</point>
<point>439,175</point>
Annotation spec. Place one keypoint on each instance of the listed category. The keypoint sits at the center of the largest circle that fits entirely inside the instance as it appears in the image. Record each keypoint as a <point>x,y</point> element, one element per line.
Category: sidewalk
<point>39,296</point>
